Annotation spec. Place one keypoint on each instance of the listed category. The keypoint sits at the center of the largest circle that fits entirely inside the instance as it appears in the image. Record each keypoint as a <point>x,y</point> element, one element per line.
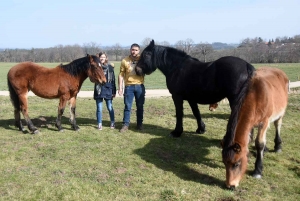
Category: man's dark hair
<point>134,45</point>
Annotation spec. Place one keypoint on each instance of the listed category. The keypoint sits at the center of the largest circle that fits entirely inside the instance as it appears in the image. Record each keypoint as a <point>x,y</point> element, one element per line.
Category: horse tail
<point>13,95</point>
<point>233,119</point>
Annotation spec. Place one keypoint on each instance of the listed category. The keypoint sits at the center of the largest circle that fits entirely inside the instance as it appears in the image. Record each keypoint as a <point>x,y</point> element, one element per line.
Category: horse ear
<point>152,43</point>
<point>236,148</point>
<point>90,57</point>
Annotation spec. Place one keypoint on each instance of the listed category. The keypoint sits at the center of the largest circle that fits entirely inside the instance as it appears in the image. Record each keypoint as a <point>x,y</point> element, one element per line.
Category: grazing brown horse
<point>265,102</point>
<point>213,107</point>
<point>62,82</point>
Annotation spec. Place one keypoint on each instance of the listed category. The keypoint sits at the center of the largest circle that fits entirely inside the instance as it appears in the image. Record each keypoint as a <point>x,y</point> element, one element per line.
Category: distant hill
<point>222,46</point>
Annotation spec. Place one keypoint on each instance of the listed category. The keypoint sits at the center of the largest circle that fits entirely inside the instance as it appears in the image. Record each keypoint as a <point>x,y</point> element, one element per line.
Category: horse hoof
<point>257,176</point>
<point>61,130</point>
<point>200,131</point>
<point>21,129</point>
<point>278,150</point>
<point>175,134</point>
<point>75,128</point>
<point>36,132</point>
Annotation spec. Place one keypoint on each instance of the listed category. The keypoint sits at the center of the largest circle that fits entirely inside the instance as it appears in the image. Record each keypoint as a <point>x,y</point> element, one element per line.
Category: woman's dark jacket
<point>109,88</point>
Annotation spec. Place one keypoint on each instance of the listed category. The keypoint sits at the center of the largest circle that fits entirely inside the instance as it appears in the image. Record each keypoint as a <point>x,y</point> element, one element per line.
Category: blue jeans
<point>109,108</point>
<point>138,92</point>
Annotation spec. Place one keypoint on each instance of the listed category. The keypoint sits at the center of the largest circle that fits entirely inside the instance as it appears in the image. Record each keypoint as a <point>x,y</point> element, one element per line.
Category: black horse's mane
<point>228,139</point>
<point>168,58</point>
<point>77,66</point>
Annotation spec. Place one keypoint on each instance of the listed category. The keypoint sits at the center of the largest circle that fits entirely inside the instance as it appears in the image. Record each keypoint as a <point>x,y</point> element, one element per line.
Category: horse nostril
<point>232,187</point>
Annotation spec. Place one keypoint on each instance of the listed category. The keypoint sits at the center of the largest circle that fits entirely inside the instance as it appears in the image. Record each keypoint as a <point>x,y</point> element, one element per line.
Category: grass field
<point>154,81</point>
<point>148,165</point>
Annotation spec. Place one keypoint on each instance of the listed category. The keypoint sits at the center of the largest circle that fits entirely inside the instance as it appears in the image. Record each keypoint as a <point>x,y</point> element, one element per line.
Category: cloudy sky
<point>43,24</point>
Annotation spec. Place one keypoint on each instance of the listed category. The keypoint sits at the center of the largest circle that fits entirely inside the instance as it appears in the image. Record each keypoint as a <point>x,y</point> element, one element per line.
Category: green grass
<point>107,165</point>
<point>291,69</point>
<point>154,81</point>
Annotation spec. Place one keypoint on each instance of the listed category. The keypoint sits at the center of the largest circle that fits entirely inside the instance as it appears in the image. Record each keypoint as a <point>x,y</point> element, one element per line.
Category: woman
<point>106,92</point>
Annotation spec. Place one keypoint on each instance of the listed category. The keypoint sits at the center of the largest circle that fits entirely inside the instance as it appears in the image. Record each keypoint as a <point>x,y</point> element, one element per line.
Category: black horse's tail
<point>233,119</point>
<point>13,96</point>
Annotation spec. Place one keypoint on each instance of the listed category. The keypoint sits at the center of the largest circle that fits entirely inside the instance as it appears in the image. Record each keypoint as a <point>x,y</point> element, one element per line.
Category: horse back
<point>212,81</point>
<point>42,81</point>
<point>268,95</point>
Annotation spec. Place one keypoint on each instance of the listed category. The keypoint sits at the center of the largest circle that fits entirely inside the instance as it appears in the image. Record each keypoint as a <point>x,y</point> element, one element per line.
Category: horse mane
<point>233,119</point>
<point>77,66</point>
<point>168,58</point>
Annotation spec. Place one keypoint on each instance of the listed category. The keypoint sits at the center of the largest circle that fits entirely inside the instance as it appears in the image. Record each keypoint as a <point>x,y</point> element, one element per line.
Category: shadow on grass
<point>209,115</point>
<point>46,122</point>
<point>184,156</point>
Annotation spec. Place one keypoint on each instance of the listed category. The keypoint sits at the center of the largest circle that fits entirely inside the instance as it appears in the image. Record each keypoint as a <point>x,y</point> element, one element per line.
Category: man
<point>134,88</point>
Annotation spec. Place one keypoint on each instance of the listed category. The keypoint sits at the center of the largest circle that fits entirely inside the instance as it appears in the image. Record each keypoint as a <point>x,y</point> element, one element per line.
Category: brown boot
<point>124,129</point>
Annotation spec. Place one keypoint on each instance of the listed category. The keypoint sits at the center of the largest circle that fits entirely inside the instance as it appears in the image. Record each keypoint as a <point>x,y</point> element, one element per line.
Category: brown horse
<point>213,107</point>
<point>265,102</point>
<point>62,82</point>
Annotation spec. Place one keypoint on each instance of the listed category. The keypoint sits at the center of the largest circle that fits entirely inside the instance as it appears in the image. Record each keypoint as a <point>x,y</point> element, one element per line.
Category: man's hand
<point>120,91</point>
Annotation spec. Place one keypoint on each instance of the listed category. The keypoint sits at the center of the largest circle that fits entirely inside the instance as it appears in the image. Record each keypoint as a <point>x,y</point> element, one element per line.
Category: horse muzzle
<point>139,71</point>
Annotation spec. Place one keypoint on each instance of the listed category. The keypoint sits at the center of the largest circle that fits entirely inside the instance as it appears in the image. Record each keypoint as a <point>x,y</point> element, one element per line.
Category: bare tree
<point>165,43</point>
<point>73,52</point>
<point>91,48</point>
<point>146,42</point>
<point>203,49</point>
<point>253,50</point>
<point>185,45</point>
<point>116,50</point>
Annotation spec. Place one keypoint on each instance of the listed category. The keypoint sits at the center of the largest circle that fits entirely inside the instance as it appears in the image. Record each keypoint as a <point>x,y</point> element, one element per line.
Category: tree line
<point>253,50</point>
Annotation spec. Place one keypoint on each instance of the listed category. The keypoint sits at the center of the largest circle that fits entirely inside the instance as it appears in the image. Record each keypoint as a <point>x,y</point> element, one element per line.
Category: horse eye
<point>237,164</point>
<point>147,54</point>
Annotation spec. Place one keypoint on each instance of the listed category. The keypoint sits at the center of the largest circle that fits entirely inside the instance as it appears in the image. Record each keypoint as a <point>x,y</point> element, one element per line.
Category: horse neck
<point>82,77</point>
<point>168,59</point>
<point>244,126</point>
<point>239,113</point>
<point>77,69</point>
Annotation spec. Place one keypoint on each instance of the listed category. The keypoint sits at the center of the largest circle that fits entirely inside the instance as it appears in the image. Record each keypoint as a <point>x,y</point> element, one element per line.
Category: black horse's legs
<point>60,111</point>
<point>178,102</point>
<point>277,139</point>
<point>260,143</point>
<point>24,109</point>
<point>72,114</point>
<point>196,112</point>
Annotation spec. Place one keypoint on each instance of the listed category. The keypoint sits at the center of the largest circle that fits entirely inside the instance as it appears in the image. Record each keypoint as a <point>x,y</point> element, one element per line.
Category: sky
<point>44,24</point>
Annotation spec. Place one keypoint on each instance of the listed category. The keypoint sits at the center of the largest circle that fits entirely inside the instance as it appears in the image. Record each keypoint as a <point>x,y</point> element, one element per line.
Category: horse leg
<point>196,112</point>
<point>251,140</point>
<point>18,122</point>
<point>60,111</point>
<point>72,114</point>
<point>178,102</point>
<point>24,110</point>
<point>277,139</point>
<point>260,143</point>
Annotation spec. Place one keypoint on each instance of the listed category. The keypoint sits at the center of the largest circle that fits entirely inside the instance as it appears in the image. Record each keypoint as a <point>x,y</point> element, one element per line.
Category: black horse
<point>197,82</point>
